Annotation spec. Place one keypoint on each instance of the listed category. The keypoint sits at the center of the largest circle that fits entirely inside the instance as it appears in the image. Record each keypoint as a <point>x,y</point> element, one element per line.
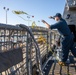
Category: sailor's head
<point>57,17</point>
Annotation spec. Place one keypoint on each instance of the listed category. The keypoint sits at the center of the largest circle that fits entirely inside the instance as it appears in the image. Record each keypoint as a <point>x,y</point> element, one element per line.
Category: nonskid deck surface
<point>53,68</point>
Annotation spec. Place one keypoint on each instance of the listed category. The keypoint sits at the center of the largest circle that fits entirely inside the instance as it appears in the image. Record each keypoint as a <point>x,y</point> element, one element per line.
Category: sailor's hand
<point>47,25</point>
<point>43,21</point>
<point>50,17</point>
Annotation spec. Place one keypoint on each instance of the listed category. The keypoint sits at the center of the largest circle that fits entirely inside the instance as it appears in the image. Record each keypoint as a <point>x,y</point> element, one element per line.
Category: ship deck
<point>53,68</point>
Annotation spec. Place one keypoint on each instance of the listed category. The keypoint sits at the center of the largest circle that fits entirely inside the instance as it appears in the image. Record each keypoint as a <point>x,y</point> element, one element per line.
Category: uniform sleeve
<point>55,26</point>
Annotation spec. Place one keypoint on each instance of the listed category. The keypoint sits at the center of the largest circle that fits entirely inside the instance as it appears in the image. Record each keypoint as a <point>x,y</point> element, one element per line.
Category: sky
<point>40,9</point>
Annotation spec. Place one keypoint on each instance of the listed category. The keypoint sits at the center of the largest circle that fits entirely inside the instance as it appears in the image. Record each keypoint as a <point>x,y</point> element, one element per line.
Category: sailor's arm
<point>54,26</point>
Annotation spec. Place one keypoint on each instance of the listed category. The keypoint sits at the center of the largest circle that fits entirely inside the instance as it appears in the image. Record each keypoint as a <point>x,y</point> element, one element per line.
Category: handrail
<point>13,37</point>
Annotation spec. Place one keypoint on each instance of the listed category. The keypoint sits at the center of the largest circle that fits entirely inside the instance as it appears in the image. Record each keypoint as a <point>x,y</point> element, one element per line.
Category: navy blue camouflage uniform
<point>67,42</point>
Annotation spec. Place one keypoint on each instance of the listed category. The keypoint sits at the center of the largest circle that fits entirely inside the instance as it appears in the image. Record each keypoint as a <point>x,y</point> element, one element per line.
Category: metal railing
<point>13,37</point>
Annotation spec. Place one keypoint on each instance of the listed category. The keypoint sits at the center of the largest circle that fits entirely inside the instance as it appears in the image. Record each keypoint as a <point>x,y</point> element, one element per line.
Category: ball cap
<point>58,15</point>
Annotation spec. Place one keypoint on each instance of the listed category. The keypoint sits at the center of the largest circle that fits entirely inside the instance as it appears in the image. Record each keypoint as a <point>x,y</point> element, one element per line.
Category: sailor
<point>67,42</point>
